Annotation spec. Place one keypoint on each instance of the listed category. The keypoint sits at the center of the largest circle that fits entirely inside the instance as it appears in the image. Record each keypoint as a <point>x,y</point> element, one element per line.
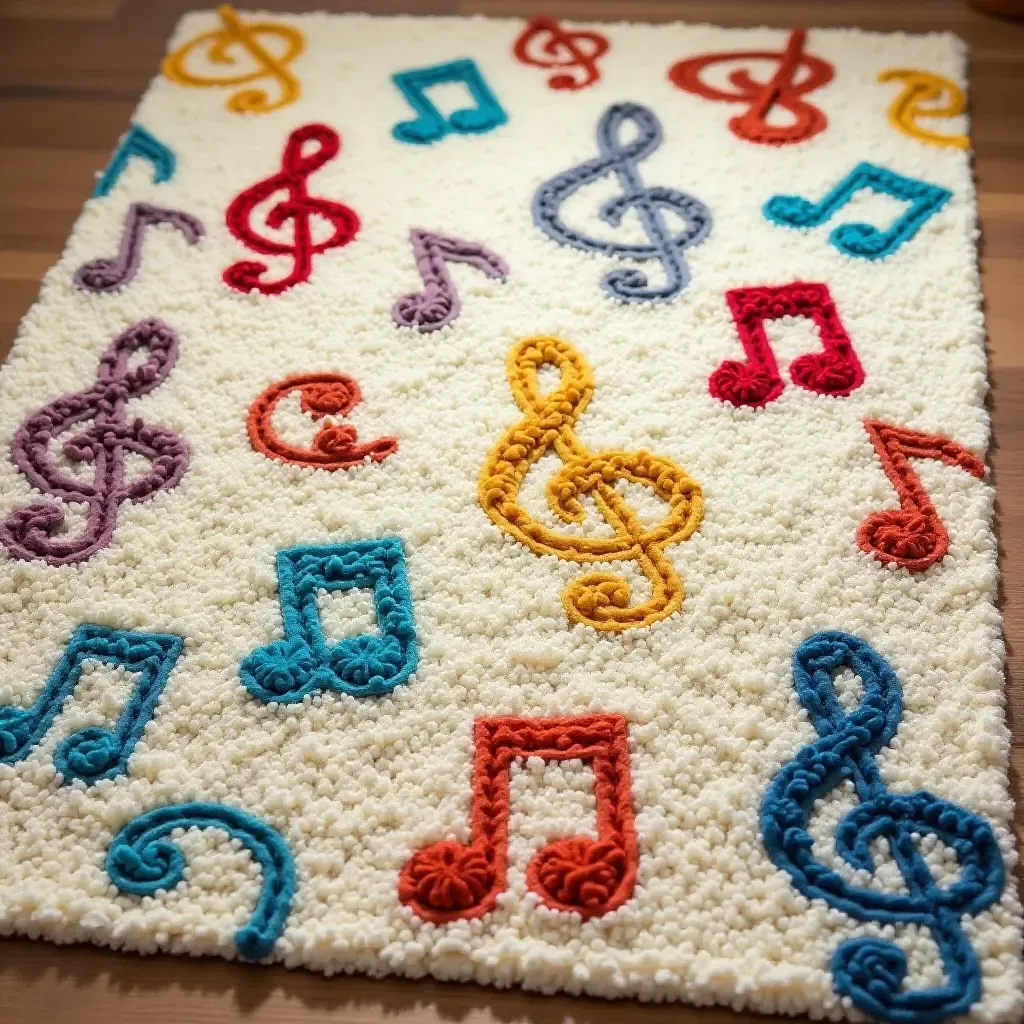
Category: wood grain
<point>71,72</point>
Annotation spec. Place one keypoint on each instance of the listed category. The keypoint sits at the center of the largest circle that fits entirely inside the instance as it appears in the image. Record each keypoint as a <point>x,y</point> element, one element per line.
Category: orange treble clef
<point>561,48</point>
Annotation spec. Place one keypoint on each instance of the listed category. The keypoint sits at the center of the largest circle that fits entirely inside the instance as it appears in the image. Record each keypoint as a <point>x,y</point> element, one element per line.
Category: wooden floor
<point>71,72</point>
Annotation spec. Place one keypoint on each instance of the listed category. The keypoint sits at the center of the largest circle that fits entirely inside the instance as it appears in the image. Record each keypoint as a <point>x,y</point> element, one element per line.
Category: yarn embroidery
<point>110,274</point>
<point>335,446</point>
<point>243,38</point>
<point>303,662</point>
<point>452,881</point>
<point>601,600</point>
<point>836,371</point>
<point>871,971</point>
<point>858,238</point>
<point>297,164</point>
<point>430,125</point>
<point>912,536</point>
<point>136,142</point>
<point>93,753</point>
<point>545,43</point>
<point>925,95</point>
<point>30,532</point>
<point>781,90</point>
<point>622,159</point>
<point>439,303</point>
<point>144,860</point>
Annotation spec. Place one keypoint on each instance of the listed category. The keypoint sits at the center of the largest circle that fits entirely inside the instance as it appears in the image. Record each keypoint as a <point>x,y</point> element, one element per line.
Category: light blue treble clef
<point>628,284</point>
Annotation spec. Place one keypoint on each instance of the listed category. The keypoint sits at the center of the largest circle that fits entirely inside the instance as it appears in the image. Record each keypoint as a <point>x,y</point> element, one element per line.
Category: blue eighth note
<point>858,238</point>
<point>366,665</point>
<point>93,753</point>
<point>136,142</point>
<point>431,125</point>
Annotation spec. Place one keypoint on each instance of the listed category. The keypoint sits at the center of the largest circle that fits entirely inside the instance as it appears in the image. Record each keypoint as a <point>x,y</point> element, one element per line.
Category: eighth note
<point>431,125</point>
<point>109,274</point>
<point>136,142</point>
<point>858,238</point>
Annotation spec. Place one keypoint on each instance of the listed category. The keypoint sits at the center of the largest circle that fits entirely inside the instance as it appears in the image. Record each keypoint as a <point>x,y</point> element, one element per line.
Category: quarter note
<point>431,125</point>
<point>912,536</point>
<point>136,142</point>
<point>452,881</point>
<point>858,238</point>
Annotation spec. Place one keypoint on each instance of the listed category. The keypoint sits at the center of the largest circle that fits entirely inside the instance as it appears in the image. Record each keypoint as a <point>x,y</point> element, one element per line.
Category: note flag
<point>136,142</point>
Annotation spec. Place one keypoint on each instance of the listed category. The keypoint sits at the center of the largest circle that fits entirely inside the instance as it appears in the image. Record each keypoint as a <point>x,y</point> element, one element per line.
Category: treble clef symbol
<point>27,532</point>
<point>299,208</point>
<point>561,48</point>
<point>627,284</point>
<point>598,599</point>
<point>780,90</point>
<point>871,971</point>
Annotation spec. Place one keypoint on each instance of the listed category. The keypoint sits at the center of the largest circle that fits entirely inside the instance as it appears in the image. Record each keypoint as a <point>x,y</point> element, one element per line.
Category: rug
<point>506,501</point>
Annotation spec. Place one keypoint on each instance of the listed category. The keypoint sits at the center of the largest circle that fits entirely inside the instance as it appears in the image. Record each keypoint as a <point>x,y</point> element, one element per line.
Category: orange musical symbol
<point>561,48</point>
<point>912,536</point>
<point>780,90</point>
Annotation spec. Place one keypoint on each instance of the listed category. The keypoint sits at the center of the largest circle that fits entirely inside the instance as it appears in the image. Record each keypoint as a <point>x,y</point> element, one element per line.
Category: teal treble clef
<point>871,971</point>
<point>621,159</point>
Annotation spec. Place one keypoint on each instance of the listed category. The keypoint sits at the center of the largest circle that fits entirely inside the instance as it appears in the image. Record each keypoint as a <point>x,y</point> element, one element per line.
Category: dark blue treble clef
<point>871,971</point>
<point>628,284</point>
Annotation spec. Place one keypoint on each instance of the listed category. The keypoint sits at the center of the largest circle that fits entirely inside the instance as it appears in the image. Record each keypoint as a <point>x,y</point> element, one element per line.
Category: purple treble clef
<point>29,532</point>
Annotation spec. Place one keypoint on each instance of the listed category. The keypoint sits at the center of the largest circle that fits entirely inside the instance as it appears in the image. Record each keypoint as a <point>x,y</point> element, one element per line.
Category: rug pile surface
<point>506,501</point>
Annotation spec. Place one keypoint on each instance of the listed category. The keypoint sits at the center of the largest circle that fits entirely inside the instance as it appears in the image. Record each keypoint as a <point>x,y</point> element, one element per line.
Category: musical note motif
<point>248,39</point>
<point>836,371</point>
<point>431,125</point>
<point>858,238</point>
<point>141,143</point>
<point>366,665</point>
<point>297,164</point>
<point>333,447</point>
<point>621,159</point>
<point>561,48</point>
<point>452,881</point>
<point>30,532</point>
<point>781,90</point>
<point>93,753</point>
<point>439,304</point>
<point>598,599</point>
<point>921,88</point>
<point>144,860</point>
<point>109,274</point>
<point>871,971</point>
<point>912,536</point>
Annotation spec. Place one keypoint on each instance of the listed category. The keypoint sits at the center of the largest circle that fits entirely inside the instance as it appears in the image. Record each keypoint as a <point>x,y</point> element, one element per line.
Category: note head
<point>863,240</point>
<point>793,212</point>
<point>421,131</point>
<point>476,120</point>
<point>90,754</point>
<point>15,733</point>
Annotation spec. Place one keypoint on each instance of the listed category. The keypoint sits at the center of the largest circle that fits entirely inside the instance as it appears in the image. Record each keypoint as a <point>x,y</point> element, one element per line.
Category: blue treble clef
<point>628,284</point>
<point>871,971</point>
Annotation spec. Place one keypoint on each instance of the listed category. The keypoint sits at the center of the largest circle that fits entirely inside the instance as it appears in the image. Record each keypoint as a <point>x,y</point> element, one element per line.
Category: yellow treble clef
<point>599,599</point>
<point>919,89</point>
<point>236,32</point>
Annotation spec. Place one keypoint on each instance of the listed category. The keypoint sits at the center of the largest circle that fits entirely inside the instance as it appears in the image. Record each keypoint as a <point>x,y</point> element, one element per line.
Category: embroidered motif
<point>430,125</point>
<point>559,47</point>
<point>621,159</point>
<point>756,381</point>
<point>93,753</point>
<point>912,536</point>
<point>247,39</point>
<point>136,142</point>
<point>858,238</point>
<point>143,859</point>
<point>297,164</point>
<point>31,532</point>
<point>871,971</point>
<point>304,662</point>
<point>921,88</point>
<point>598,599</point>
<point>452,881</point>
<point>781,90</point>
<point>109,274</point>
<point>439,304</point>
<point>334,446</point>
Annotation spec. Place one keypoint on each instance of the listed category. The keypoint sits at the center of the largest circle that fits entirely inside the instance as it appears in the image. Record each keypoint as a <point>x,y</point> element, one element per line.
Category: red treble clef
<point>299,207</point>
<point>561,48</point>
<point>781,90</point>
